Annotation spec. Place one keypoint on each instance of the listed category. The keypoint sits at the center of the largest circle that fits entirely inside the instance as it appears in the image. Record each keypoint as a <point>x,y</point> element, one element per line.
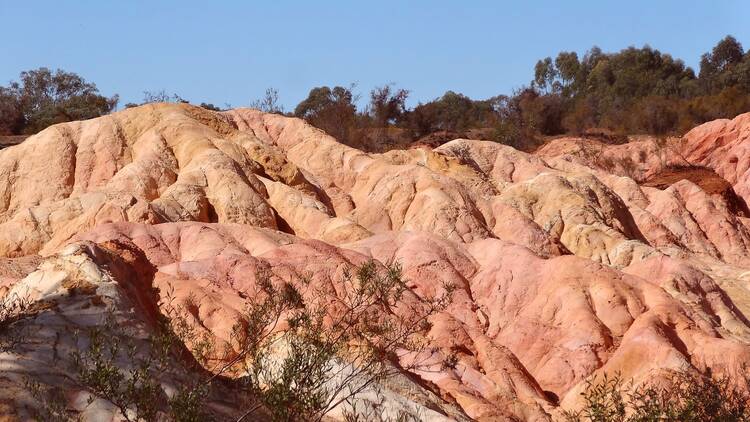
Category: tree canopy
<point>644,90</point>
<point>634,90</point>
<point>43,97</point>
<point>330,109</point>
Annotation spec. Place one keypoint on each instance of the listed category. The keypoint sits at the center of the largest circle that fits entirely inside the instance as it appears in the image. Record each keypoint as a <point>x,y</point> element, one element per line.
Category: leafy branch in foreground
<point>299,351</point>
<point>113,369</point>
<point>303,350</point>
<point>376,411</point>
<point>133,391</point>
<point>12,310</point>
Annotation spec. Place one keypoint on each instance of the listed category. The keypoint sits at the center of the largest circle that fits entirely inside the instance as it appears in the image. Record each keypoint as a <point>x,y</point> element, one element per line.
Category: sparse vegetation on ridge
<point>635,90</point>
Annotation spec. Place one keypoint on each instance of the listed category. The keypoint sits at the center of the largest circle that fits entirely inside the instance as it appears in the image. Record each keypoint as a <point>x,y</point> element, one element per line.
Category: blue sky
<point>230,51</point>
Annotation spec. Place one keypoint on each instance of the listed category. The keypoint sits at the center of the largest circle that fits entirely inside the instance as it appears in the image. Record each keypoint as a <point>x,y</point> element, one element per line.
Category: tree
<point>210,106</point>
<point>161,96</point>
<point>387,105</point>
<point>725,66</point>
<point>726,53</point>
<point>331,110</point>
<point>451,112</point>
<point>567,68</point>
<point>12,120</point>
<point>544,74</point>
<point>654,115</point>
<point>42,98</point>
<point>269,103</point>
<point>579,117</point>
<point>636,90</point>
<point>324,99</point>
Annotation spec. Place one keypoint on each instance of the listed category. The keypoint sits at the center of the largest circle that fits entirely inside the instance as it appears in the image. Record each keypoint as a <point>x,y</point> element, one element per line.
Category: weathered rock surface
<point>580,259</point>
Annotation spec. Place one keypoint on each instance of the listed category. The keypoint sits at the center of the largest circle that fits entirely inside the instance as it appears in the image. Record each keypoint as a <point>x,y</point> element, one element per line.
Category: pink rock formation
<point>581,259</point>
<point>722,145</point>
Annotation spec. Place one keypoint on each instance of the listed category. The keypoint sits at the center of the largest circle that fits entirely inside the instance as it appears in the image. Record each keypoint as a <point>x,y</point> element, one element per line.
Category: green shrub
<point>682,397</point>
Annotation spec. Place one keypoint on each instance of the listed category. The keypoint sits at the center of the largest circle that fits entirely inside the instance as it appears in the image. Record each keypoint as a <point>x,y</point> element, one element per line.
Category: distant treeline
<point>636,90</point>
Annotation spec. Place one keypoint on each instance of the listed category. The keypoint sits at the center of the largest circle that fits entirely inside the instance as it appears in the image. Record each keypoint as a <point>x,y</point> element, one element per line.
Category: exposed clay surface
<point>580,259</point>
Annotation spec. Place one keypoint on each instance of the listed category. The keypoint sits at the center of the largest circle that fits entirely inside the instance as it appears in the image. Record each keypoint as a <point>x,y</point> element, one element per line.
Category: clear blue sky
<point>230,51</point>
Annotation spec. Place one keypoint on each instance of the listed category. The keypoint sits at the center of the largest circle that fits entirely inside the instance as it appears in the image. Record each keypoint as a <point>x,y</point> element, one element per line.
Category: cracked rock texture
<point>580,259</point>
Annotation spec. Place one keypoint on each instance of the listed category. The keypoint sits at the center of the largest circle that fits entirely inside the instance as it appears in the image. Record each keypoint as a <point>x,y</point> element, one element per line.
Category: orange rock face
<point>578,260</point>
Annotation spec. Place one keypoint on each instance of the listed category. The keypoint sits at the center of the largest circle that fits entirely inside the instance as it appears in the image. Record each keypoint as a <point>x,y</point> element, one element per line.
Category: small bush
<point>134,388</point>
<point>682,397</point>
<point>336,345</point>
<point>12,310</point>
